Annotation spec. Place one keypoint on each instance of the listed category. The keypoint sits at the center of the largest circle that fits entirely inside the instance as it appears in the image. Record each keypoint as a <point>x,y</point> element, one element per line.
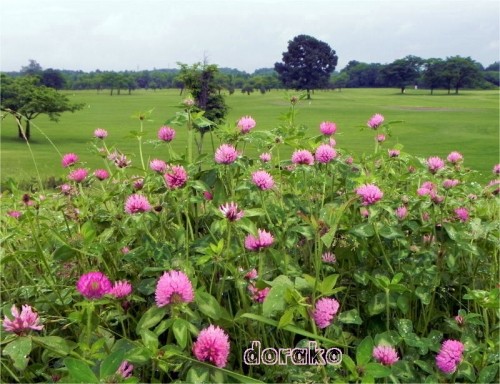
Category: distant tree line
<point>451,74</point>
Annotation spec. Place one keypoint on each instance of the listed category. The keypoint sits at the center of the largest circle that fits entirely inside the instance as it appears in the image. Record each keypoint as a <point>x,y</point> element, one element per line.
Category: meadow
<point>298,248</point>
<point>432,125</point>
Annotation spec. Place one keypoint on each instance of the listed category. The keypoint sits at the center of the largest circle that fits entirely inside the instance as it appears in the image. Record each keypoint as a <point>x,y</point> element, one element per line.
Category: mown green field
<point>433,125</point>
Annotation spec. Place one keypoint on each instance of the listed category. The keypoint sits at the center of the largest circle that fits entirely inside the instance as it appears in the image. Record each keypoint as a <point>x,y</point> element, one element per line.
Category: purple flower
<point>125,369</point>
<point>78,175</point>
<point>119,159</point>
<point>450,183</point>
<point>462,214</point>
<point>173,287</point>
<point>176,177</point>
<point>245,124</point>
<point>93,285</point>
<point>23,321</point>
<point>328,257</point>
<point>375,121</point>
<point>212,345</point>
<point>120,289</point>
<point>230,211</point>
<point>166,134</point>
<point>369,194</point>
<point>226,154</point>
<point>434,164</point>
<point>101,174</point>
<point>380,138</point>
<point>325,311</point>
<point>450,356</point>
<point>325,153</point>
<point>100,133</point>
<point>137,204</point>
<point>496,169</point>
<point>258,295</point>
<point>263,240</point>
<point>454,157</point>
<point>158,165</point>
<point>137,182</point>
<point>14,214</point>
<point>328,128</point>
<point>401,212</point>
<point>252,274</point>
<point>69,159</point>
<point>393,152</point>
<point>302,156</point>
<point>385,354</point>
<point>262,180</point>
<point>265,157</point>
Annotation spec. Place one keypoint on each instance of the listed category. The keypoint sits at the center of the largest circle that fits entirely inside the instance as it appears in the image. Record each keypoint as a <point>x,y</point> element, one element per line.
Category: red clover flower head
<point>328,257</point>
<point>93,285</point>
<point>393,152</point>
<point>125,369</point>
<point>462,214</point>
<point>230,211</point>
<point>101,174</point>
<point>401,212</point>
<point>137,204</point>
<point>212,345</point>
<point>173,287</point>
<point>226,154</point>
<point>22,321</point>
<point>100,133</point>
<point>158,165</point>
<point>328,128</point>
<point>302,156</point>
<point>385,354</point>
<point>455,157</point>
<point>263,240</point>
<point>325,311</point>
<point>258,295</point>
<point>369,194</point>
<point>78,175</point>
<point>375,121</point>
<point>262,180</point>
<point>176,177</point>
<point>325,153</point>
<point>449,356</point>
<point>120,289</point>
<point>69,159</point>
<point>434,164</point>
<point>166,134</point>
<point>265,157</point>
<point>245,124</point>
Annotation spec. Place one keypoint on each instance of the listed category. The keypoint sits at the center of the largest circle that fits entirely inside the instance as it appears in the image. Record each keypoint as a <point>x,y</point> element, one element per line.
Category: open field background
<point>433,125</point>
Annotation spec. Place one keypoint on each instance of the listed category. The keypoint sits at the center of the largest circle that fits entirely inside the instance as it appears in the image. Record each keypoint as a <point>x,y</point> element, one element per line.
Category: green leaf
<point>364,351</point>
<point>377,370</point>
<point>488,374</point>
<point>79,371</point>
<point>391,233</point>
<point>150,340</point>
<point>88,231</point>
<point>274,301</point>
<point>180,329</point>
<point>349,364</point>
<point>363,230</point>
<point>64,253</point>
<point>55,344</point>
<point>328,284</point>
<point>139,355</point>
<point>150,318</point>
<point>377,304</point>
<point>404,326</point>
<point>110,364</point>
<point>198,375</point>
<point>18,350</point>
<point>286,318</point>
<point>403,303</point>
<point>208,305</point>
<point>424,294</point>
<point>350,317</point>
<point>425,366</point>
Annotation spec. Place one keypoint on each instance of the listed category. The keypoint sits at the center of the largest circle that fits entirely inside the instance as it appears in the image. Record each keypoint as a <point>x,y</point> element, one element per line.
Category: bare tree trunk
<point>23,133</point>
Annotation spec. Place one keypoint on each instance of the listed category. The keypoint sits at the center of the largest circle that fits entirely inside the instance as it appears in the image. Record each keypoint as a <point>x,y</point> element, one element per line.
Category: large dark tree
<point>307,65</point>
<point>461,72</point>
<point>403,72</point>
<point>25,99</point>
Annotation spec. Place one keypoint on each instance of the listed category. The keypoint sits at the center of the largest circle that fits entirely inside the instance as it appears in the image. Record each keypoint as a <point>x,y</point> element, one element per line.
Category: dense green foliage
<point>410,269</point>
<point>307,64</point>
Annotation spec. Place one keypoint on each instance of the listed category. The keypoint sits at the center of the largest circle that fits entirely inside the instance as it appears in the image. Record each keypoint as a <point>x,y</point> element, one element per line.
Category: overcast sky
<point>243,34</point>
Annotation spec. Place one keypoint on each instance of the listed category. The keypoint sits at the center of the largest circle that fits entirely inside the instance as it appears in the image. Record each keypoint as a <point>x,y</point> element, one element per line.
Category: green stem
<point>140,145</point>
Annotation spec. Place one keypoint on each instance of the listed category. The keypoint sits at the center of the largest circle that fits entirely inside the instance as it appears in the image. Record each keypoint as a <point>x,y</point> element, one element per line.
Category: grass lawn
<point>433,125</point>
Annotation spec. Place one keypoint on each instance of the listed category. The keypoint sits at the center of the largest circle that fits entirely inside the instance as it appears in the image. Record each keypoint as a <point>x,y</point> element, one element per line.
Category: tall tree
<point>403,72</point>
<point>433,74</point>
<point>25,99</point>
<point>307,65</point>
<point>461,72</point>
